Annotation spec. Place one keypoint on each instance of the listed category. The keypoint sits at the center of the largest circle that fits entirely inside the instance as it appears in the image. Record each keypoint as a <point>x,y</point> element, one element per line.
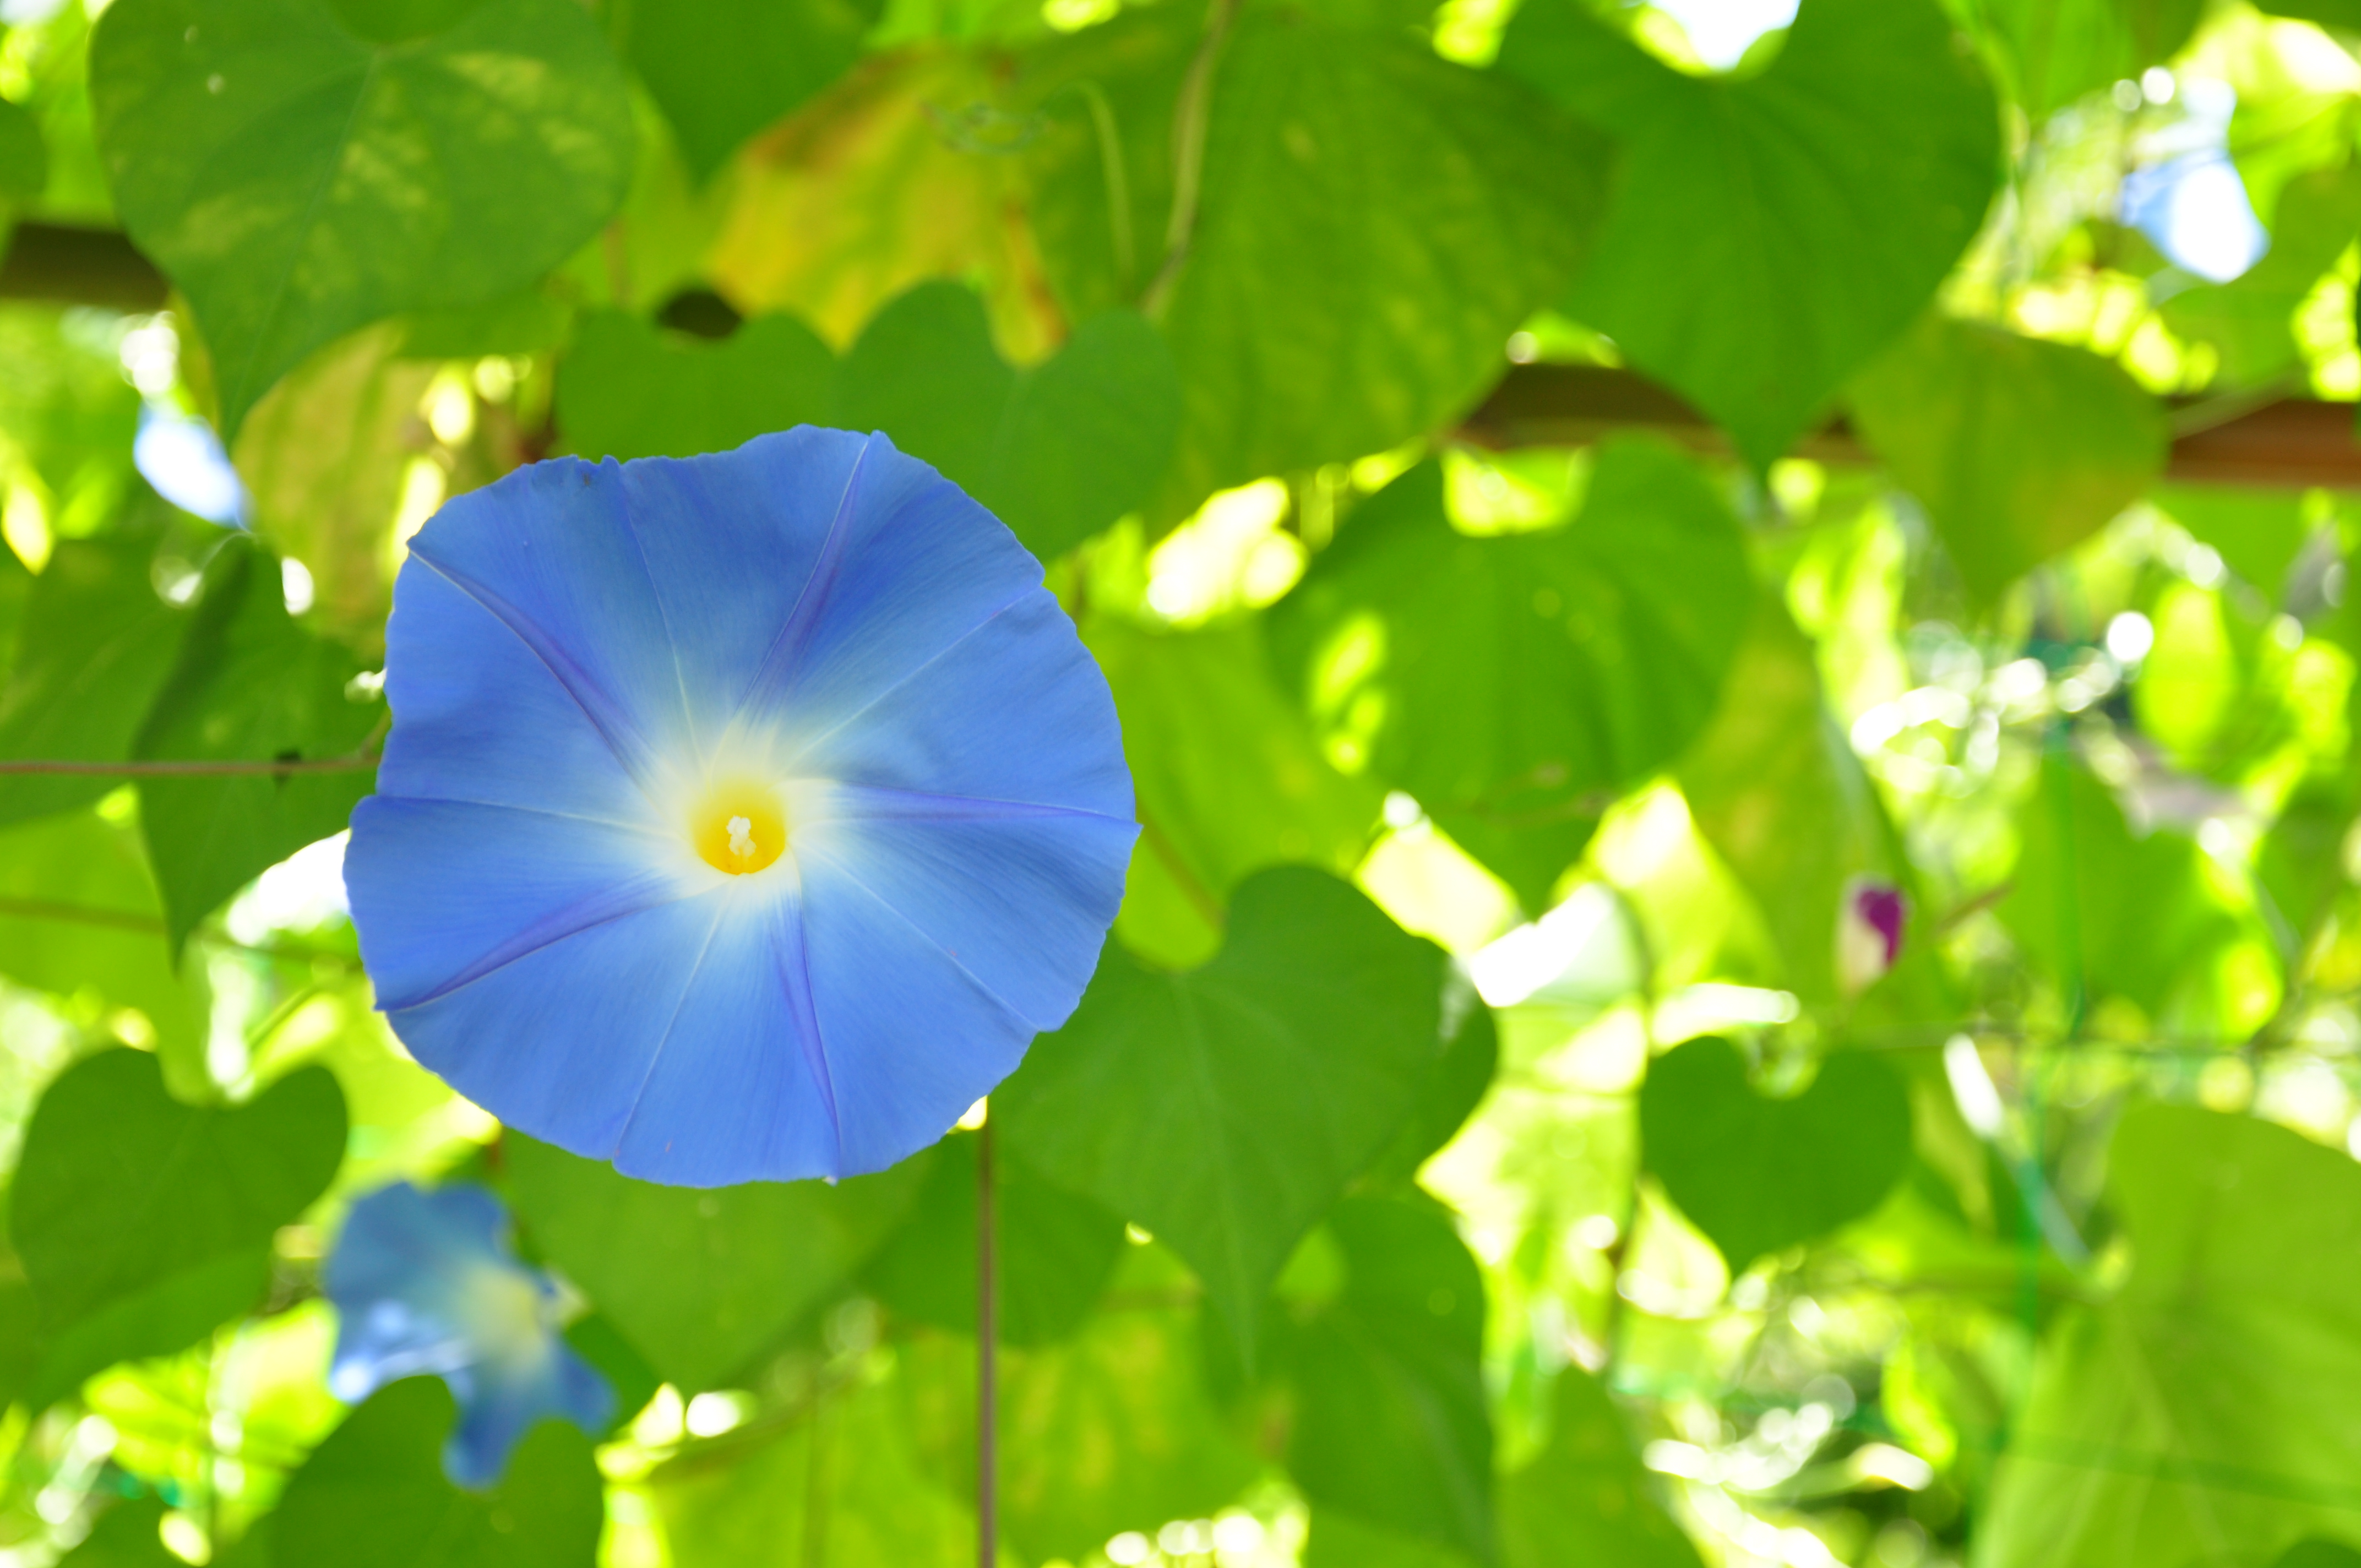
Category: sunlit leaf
<point>2203,1408</point>
<point>872,190</point>
<point>1515,685</point>
<point>298,179</point>
<point>1110,1430</point>
<point>1391,1422</point>
<point>1585,1499</point>
<point>125,1536</point>
<point>24,161</point>
<point>325,456</point>
<point>1227,779</point>
<point>723,69</point>
<point>1759,1175</point>
<point>1053,1251</point>
<point>1771,233</point>
<point>1373,222</point>
<point>1179,1100</point>
<point>251,685</point>
<point>2019,449</point>
<point>624,391</point>
<point>94,645</point>
<point>2250,320</point>
<point>2057,50</point>
<point>157,1216</point>
<point>1774,788</point>
<point>374,1495</point>
<point>2149,917</point>
<point>79,912</point>
<point>701,1282</point>
<point>1057,450</point>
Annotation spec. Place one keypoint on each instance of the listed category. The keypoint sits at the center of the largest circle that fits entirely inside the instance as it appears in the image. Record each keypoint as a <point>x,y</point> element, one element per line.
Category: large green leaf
<point>2219,690</point>
<point>701,1282</point>
<point>125,1536</point>
<point>374,1495</point>
<point>624,391</point>
<point>1585,1499</point>
<point>147,1220</point>
<point>1758,1175</point>
<point>1057,450</point>
<point>2019,449</point>
<point>1053,1251</point>
<point>79,912</point>
<point>1227,777</point>
<point>1774,788</point>
<point>722,70</point>
<point>24,161</point>
<point>297,179</point>
<point>2203,1415</point>
<point>251,685</point>
<point>1772,232</point>
<point>2056,51</point>
<point>1520,683</point>
<point>2150,918</point>
<point>840,1487</point>
<point>95,643</point>
<point>2250,320</point>
<point>1107,1432</point>
<point>1391,1423</point>
<point>1373,224</point>
<point>1180,1100</point>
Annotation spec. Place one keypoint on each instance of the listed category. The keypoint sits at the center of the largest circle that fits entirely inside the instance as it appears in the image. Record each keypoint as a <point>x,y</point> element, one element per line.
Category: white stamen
<point>741,837</point>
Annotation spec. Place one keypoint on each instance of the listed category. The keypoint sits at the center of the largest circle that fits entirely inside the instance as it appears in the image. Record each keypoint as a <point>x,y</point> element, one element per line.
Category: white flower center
<point>742,835</point>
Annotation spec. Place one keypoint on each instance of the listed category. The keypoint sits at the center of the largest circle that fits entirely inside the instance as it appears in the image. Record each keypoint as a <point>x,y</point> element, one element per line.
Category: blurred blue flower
<point>182,459</point>
<point>744,816</point>
<point>425,1283</point>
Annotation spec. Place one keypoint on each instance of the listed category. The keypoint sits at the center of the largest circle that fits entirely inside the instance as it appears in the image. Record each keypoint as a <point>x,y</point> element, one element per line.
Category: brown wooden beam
<point>75,266</point>
<point>2282,444</point>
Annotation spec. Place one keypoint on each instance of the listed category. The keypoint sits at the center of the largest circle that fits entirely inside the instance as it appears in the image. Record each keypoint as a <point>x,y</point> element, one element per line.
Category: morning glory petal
<point>484,720</point>
<point>1019,896</point>
<point>911,567</point>
<point>945,730</point>
<point>542,876</point>
<point>548,551</point>
<point>744,816</point>
<point>700,521</point>
<point>560,1041</point>
<point>742,1089</point>
<point>913,1038</point>
<point>425,1283</point>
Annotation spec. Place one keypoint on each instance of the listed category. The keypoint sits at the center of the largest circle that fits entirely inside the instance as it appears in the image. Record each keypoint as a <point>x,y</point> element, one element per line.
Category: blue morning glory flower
<point>744,816</point>
<point>424,1283</point>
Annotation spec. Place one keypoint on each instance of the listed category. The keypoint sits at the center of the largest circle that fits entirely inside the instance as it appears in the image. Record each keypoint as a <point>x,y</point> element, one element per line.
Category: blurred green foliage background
<point>1580,504</point>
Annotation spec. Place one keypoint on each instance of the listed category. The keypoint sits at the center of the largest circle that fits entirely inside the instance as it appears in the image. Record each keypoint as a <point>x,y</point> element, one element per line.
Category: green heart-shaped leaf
<point>1523,681</point>
<point>1773,232</point>
<point>1057,450</point>
<point>2020,449</point>
<point>297,179</point>
<point>374,1495</point>
<point>1758,1175</point>
<point>625,392</point>
<point>1226,1109</point>
<point>142,1223</point>
<point>700,1282</point>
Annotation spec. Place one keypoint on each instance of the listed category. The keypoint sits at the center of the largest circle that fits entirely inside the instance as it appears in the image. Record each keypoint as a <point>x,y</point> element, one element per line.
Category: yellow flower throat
<point>739,827</point>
